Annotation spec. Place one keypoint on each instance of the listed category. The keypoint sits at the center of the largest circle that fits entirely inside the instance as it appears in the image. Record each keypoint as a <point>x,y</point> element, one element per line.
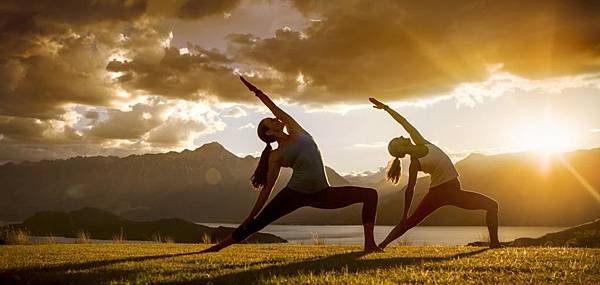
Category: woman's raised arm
<point>289,122</point>
<point>265,192</point>
<point>412,131</point>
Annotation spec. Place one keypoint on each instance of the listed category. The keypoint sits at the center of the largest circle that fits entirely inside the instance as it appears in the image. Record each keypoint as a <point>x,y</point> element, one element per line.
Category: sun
<point>546,136</point>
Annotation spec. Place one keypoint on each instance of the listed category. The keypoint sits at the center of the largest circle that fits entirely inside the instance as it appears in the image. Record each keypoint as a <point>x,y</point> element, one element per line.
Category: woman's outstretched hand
<point>377,104</point>
<point>250,86</point>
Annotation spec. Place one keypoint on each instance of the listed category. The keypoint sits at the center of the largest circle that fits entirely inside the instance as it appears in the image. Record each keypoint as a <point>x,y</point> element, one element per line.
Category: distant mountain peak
<point>213,144</point>
<point>213,148</point>
<point>475,155</point>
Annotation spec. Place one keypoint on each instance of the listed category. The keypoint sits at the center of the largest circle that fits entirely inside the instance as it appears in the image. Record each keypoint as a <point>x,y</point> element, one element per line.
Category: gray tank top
<point>304,157</point>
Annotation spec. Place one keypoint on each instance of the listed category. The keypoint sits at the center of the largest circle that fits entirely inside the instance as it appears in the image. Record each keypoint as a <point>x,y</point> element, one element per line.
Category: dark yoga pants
<point>288,200</point>
<point>450,193</point>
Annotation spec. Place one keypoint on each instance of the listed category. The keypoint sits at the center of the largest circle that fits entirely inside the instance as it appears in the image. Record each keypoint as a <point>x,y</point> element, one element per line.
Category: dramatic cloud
<point>59,52</point>
<point>402,49</point>
<point>252,126</point>
<point>55,52</point>
<point>154,125</point>
<point>192,75</point>
<point>370,145</point>
<point>193,9</point>
<point>156,122</point>
<point>128,125</point>
<point>100,56</point>
<point>76,75</point>
<point>235,112</point>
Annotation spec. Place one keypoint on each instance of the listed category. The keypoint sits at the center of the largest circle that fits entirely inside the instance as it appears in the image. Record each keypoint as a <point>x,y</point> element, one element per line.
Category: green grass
<point>244,264</point>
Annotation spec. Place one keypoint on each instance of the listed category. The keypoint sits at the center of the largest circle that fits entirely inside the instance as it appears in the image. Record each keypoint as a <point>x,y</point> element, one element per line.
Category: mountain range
<point>211,184</point>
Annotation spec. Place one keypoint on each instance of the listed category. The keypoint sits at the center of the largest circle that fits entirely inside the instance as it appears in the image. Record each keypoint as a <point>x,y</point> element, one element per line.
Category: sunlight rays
<point>584,183</point>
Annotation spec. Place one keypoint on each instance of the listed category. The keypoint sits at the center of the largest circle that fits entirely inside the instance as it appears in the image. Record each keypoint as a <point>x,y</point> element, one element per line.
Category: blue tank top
<point>304,157</point>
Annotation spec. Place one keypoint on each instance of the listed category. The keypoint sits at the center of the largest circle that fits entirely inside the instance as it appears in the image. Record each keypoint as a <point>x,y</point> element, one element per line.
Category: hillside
<point>210,184</point>
<point>586,235</point>
<point>100,224</point>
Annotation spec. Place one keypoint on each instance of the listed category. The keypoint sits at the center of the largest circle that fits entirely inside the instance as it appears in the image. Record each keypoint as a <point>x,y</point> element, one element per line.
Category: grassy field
<point>245,264</point>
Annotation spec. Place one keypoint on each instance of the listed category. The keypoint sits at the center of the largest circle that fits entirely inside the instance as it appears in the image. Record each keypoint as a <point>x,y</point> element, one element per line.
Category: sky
<point>84,78</point>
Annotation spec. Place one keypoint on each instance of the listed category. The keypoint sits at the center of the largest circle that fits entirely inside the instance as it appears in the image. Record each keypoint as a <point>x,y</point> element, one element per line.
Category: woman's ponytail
<point>394,170</point>
<point>259,178</point>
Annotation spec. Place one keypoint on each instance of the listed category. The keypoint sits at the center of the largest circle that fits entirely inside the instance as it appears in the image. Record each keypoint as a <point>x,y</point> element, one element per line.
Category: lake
<point>425,235</point>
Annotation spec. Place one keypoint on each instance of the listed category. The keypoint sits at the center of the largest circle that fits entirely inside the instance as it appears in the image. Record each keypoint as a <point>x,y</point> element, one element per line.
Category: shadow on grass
<point>86,272</point>
<point>75,271</point>
<point>350,262</point>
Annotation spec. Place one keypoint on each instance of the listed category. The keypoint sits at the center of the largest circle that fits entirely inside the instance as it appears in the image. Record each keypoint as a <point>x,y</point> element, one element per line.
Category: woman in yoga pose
<point>308,185</point>
<point>445,187</point>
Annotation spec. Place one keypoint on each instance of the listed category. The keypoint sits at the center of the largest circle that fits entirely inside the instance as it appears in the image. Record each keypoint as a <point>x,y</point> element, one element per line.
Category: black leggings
<point>451,193</point>
<point>288,200</point>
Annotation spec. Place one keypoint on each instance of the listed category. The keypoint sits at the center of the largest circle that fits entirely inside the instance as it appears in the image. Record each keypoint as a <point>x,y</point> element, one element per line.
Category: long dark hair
<point>259,178</point>
<point>394,168</point>
<point>393,171</point>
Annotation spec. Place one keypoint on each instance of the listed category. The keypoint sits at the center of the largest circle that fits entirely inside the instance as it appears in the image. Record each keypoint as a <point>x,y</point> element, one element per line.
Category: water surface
<point>425,235</point>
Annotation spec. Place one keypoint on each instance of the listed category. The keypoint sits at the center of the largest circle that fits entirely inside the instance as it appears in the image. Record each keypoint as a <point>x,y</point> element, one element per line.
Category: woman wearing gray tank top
<point>445,187</point>
<point>308,185</point>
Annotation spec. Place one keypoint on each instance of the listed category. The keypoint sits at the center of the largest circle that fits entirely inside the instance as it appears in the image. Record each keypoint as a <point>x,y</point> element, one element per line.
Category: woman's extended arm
<point>273,173</point>
<point>400,229</point>
<point>412,131</point>
<point>265,192</point>
<point>410,188</point>
<point>289,122</point>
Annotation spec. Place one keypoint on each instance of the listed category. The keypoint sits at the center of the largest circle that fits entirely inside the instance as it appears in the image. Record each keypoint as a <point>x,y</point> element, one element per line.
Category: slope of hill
<point>585,235</point>
<point>100,224</point>
<point>210,184</point>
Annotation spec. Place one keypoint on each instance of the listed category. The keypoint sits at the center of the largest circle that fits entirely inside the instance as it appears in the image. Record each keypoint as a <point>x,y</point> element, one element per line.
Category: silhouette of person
<point>445,188</point>
<point>308,185</point>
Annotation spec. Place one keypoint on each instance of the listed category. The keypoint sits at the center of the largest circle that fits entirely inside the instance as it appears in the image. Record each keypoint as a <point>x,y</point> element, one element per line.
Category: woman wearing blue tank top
<point>445,188</point>
<point>308,185</point>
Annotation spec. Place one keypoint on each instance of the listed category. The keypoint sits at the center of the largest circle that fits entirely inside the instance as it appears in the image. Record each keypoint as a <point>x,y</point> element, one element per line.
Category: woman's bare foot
<point>372,248</point>
<point>213,248</point>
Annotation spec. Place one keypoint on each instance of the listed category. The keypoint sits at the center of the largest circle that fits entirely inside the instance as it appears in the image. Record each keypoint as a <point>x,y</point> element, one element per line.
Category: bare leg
<point>369,244</point>
<point>477,201</point>
<point>426,206</point>
<point>339,197</point>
